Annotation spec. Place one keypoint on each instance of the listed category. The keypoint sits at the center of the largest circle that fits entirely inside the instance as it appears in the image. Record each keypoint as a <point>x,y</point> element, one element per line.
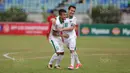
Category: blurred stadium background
<point>34,8</point>
<point>107,19</point>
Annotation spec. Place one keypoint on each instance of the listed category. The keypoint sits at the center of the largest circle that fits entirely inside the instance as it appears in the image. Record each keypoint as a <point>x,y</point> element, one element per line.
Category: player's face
<point>71,11</point>
<point>63,15</point>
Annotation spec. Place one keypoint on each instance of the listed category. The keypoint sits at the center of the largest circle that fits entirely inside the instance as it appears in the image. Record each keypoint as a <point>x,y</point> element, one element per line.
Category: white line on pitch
<point>7,56</point>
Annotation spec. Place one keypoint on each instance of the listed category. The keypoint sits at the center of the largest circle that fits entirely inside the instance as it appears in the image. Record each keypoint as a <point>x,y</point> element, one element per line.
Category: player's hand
<point>65,35</point>
<point>55,33</point>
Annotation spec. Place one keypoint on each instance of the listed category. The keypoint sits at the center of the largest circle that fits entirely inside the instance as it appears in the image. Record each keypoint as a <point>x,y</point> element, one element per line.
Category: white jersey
<point>56,41</point>
<point>58,24</point>
<point>69,23</point>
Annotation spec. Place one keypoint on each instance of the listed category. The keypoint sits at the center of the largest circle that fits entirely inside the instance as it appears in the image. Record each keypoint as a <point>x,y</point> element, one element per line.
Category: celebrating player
<point>69,29</point>
<point>55,39</point>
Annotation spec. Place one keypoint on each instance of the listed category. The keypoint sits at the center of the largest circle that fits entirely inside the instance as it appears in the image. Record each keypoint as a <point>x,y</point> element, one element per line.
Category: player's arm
<point>54,30</point>
<point>69,28</point>
<point>53,20</point>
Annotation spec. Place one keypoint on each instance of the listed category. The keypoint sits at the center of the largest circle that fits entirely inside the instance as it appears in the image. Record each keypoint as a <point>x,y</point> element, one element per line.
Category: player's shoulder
<point>57,17</point>
<point>57,20</point>
<point>74,17</point>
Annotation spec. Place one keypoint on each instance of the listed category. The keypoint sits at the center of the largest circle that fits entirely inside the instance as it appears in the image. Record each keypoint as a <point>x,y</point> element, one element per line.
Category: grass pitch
<point>32,53</point>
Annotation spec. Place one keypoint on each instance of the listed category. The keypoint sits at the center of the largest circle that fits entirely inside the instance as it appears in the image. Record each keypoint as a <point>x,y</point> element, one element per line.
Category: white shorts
<point>70,43</point>
<point>57,44</point>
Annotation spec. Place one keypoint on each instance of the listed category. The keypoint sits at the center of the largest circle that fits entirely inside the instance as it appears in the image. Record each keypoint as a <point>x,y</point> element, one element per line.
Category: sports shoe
<point>71,67</point>
<point>49,66</point>
<point>78,65</point>
<point>57,67</point>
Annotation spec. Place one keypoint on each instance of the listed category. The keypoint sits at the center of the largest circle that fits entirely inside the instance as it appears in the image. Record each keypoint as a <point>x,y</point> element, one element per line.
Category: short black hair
<point>71,6</point>
<point>61,11</point>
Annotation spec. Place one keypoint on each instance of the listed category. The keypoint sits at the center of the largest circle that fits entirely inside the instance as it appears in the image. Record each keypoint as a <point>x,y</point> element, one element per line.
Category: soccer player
<point>56,40</point>
<point>69,29</point>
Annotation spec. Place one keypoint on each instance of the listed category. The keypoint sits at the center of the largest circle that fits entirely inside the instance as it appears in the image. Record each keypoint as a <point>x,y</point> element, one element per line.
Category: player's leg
<point>72,60</point>
<point>78,63</point>
<point>55,56</point>
<point>74,55</point>
<point>57,65</point>
<point>61,54</point>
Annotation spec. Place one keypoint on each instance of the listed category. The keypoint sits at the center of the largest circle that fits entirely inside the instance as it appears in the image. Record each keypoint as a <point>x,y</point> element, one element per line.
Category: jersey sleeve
<point>56,25</point>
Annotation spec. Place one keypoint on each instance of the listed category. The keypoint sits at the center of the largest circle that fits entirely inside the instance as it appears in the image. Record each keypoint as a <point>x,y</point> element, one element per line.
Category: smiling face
<point>62,14</point>
<point>71,11</point>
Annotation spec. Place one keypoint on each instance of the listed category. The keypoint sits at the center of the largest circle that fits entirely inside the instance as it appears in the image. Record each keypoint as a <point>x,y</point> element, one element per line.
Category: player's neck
<point>70,17</point>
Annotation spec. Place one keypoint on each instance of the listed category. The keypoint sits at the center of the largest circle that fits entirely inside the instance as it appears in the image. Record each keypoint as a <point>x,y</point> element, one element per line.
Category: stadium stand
<point>37,5</point>
<point>83,6</point>
<point>30,5</point>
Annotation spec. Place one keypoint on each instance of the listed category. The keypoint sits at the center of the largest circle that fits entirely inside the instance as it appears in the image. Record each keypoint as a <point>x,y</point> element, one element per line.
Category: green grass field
<point>32,53</point>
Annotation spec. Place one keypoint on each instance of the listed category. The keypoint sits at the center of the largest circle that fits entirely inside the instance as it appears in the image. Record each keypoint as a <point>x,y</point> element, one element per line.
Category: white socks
<point>74,57</point>
<point>56,57</point>
<point>53,58</point>
<point>59,60</point>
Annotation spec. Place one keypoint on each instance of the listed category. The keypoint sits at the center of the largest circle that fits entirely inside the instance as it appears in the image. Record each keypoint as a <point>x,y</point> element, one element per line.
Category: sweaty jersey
<point>58,24</point>
<point>69,23</point>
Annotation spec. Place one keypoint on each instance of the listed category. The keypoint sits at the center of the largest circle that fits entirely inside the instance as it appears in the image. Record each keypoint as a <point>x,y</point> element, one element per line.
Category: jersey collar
<point>61,21</point>
<point>70,17</point>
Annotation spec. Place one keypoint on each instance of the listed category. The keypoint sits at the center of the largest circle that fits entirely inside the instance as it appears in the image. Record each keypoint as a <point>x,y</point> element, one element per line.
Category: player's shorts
<point>71,43</point>
<point>57,44</point>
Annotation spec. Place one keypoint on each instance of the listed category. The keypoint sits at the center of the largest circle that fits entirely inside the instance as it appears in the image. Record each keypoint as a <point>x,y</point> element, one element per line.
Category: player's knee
<point>71,51</point>
<point>58,53</point>
<point>62,53</point>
